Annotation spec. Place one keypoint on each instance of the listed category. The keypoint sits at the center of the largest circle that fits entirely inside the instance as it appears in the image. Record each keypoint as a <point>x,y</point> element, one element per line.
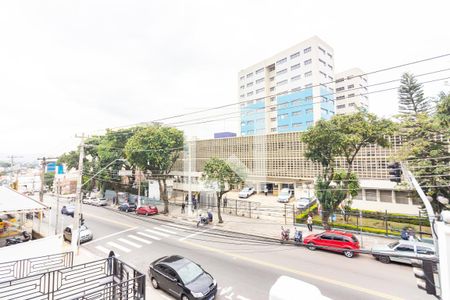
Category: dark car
<point>68,210</point>
<point>182,278</point>
<point>127,207</point>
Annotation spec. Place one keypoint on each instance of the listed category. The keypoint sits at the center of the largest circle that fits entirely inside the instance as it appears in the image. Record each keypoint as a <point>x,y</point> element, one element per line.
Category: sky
<point>68,67</point>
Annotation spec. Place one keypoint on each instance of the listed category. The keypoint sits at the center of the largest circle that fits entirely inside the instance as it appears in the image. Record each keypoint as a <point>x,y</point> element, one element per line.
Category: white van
<point>288,288</point>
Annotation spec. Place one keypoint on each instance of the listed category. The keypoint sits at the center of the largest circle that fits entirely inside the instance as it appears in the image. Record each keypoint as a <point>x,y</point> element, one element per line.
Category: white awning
<point>12,202</point>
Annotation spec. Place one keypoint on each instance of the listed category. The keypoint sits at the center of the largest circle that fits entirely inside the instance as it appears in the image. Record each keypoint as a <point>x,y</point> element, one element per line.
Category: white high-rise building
<point>289,91</point>
<point>351,91</point>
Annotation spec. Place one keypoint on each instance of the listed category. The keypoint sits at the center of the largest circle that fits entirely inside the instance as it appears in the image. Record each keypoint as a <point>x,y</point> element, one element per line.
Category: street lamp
<point>77,217</point>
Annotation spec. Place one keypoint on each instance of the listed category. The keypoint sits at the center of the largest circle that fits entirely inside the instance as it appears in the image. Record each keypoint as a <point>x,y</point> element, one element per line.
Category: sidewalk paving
<point>262,227</point>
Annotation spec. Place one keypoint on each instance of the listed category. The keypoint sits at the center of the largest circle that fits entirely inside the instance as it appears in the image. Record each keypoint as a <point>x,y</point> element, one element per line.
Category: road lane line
<point>294,271</point>
<point>130,243</point>
<point>195,234</point>
<point>110,235</point>
<point>125,249</point>
<point>177,227</point>
<point>149,236</point>
<point>165,230</point>
<point>157,233</point>
<point>139,239</point>
<point>103,249</point>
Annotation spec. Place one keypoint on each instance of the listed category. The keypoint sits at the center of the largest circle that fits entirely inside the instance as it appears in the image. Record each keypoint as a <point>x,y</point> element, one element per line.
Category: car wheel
<point>384,259</point>
<point>154,283</point>
<point>128,210</point>
<point>146,214</point>
<point>311,246</point>
<point>184,297</point>
<point>349,253</point>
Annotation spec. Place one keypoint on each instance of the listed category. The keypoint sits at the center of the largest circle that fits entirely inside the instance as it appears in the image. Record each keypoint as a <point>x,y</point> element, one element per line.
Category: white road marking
<point>194,234</point>
<point>103,249</point>
<point>157,233</point>
<point>164,230</point>
<point>110,235</point>
<point>242,297</point>
<point>149,236</point>
<point>106,251</point>
<point>130,243</point>
<point>176,226</point>
<point>125,249</point>
<point>139,239</point>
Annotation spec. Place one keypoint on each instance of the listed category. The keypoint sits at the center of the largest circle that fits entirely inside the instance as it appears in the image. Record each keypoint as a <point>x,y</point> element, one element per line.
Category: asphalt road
<point>244,268</point>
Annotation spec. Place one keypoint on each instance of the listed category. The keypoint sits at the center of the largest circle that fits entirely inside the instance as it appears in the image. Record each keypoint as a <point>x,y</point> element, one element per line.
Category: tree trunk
<point>325,217</point>
<point>163,194</point>
<point>219,200</point>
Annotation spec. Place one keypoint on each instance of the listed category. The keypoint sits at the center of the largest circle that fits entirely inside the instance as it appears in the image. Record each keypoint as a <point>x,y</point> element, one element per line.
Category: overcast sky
<point>69,67</point>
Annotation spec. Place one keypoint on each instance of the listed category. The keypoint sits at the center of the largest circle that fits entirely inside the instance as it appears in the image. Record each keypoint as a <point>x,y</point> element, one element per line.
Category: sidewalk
<point>260,227</point>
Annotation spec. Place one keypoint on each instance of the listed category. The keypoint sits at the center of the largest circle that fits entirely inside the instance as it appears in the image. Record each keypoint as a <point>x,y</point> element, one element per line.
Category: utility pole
<point>44,162</point>
<point>77,215</point>
<point>58,190</point>
<point>189,179</point>
<point>139,187</point>
<point>11,171</point>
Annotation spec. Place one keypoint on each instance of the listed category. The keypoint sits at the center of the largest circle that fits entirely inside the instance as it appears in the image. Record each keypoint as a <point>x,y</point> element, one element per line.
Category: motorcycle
<point>18,240</point>
<point>203,220</point>
<point>284,235</point>
<point>298,237</point>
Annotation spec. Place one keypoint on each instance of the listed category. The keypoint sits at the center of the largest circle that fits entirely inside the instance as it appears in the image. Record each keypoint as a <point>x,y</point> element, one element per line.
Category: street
<point>244,267</point>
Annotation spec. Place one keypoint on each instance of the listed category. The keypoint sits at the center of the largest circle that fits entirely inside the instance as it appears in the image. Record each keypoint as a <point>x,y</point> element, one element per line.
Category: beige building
<point>351,91</point>
<point>277,161</point>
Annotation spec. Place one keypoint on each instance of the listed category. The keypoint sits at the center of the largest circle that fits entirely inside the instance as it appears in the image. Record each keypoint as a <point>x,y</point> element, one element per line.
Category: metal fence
<point>36,265</point>
<point>108,278</point>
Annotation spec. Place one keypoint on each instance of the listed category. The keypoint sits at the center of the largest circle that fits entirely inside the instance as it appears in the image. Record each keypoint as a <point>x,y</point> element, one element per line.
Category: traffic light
<point>395,171</point>
<point>423,270</point>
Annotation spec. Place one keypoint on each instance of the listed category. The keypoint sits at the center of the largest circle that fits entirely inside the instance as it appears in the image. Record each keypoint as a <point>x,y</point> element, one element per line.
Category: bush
<point>356,228</point>
<point>304,215</point>
<point>392,217</point>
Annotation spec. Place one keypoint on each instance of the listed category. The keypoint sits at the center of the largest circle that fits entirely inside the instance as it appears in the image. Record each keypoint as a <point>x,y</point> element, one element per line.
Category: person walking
<point>266,190</point>
<point>194,202</point>
<point>225,200</point>
<point>309,222</point>
<point>183,206</point>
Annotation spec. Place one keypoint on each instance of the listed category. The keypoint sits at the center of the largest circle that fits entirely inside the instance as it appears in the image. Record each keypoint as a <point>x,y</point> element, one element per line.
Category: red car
<point>147,210</point>
<point>339,241</point>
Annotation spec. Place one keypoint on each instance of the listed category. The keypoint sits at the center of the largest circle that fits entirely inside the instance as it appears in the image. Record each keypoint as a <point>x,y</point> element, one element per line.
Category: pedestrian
<point>194,202</point>
<point>183,206</point>
<point>404,234</point>
<point>309,222</point>
<point>225,200</point>
<point>411,234</point>
<point>266,190</point>
<point>186,199</point>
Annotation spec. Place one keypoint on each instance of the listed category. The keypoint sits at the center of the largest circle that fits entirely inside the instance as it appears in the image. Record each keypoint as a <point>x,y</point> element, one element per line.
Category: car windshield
<point>83,227</point>
<point>393,245</point>
<point>189,272</point>
<point>245,189</point>
<point>284,192</point>
<point>303,200</point>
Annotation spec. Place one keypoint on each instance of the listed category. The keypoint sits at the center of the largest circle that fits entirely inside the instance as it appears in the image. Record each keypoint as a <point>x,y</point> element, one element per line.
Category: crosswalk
<point>137,238</point>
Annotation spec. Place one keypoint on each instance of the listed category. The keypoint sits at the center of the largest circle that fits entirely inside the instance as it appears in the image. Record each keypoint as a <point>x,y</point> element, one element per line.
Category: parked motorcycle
<point>298,237</point>
<point>284,235</point>
<point>203,221</point>
<point>18,240</point>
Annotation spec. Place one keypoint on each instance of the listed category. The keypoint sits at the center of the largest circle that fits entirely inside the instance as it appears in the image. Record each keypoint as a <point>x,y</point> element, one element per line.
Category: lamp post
<point>77,216</point>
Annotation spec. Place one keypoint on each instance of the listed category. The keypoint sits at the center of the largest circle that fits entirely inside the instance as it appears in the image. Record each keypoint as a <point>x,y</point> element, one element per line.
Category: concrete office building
<point>351,91</point>
<point>289,91</point>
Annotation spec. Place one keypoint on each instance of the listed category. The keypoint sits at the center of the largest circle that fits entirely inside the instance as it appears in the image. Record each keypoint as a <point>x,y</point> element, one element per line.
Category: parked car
<point>247,192</point>
<point>100,202</point>
<point>333,240</point>
<point>288,288</point>
<point>127,207</point>
<point>304,202</point>
<point>285,195</point>
<point>147,210</point>
<point>88,200</point>
<point>399,250</point>
<point>68,210</point>
<point>182,278</point>
<point>85,234</point>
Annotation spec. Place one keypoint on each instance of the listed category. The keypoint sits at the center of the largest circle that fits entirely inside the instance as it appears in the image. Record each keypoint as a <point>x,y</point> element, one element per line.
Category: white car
<point>285,195</point>
<point>401,251</point>
<point>100,202</point>
<point>85,234</point>
<point>246,192</point>
<point>304,202</point>
<point>88,200</point>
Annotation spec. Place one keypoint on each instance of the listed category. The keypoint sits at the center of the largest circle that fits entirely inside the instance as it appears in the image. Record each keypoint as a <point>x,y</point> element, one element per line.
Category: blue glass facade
<point>327,108</point>
<point>295,111</point>
<point>253,118</point>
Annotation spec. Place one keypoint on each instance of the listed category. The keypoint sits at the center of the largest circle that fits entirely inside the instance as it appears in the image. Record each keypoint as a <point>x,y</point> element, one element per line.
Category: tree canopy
<point>411,97</point>
<point>222,177</point>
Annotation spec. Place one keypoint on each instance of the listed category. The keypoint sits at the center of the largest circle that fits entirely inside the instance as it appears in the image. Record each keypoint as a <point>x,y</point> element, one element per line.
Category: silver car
<point>85,234</point>
<point>402,251</point>
<point>100,202</point>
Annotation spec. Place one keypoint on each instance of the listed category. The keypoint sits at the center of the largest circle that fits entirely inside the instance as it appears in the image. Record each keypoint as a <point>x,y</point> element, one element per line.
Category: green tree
<point>342,136</point>
<point>222,177</point>
<point>426,150</point>
<point>48,179</point>
<point>69,159</point>
<point>155,149</point>
<point>412,101</point>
